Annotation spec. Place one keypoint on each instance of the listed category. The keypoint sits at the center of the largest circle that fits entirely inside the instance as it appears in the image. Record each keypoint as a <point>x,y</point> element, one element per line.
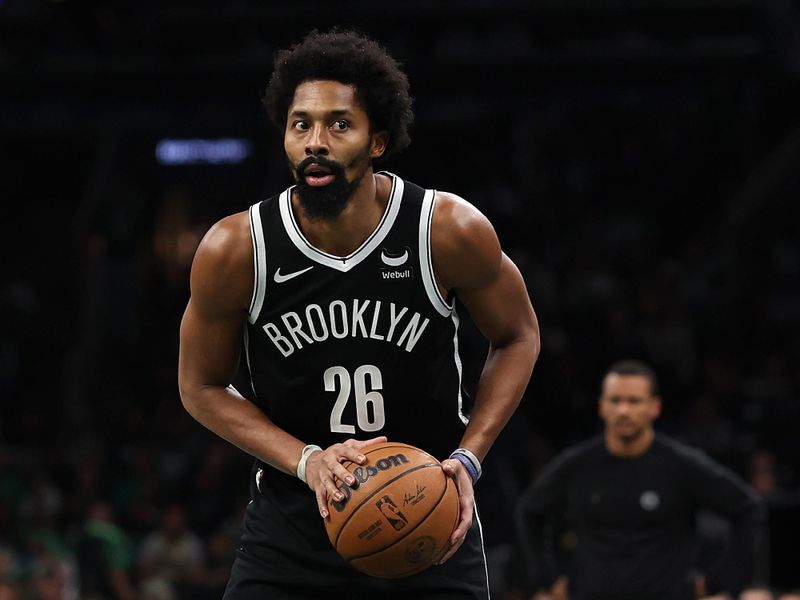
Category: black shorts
<point>303,571</point>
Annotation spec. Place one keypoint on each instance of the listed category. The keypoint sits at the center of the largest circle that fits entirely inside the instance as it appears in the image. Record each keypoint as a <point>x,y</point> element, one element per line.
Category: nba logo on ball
<point>389,510</point>
<point>399,518</point>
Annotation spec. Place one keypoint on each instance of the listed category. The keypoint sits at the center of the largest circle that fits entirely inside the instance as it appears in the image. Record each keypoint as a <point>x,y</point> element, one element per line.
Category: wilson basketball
<point>396,520</point>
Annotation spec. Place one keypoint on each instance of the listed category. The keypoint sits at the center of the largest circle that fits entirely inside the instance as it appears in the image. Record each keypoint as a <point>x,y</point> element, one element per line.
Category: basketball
<point>396,520</point>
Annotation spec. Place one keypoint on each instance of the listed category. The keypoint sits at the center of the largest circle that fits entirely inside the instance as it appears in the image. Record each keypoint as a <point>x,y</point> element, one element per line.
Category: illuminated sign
<point>170,151</point>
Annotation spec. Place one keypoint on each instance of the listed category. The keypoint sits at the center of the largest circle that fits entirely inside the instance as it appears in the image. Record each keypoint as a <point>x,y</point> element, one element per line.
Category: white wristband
<point>301,466</point>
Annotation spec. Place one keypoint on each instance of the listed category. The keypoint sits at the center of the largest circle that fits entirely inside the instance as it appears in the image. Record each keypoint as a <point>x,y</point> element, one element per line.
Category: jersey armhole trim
<point>459,367</point>
<point>425,255</point>
<point>259,263</point>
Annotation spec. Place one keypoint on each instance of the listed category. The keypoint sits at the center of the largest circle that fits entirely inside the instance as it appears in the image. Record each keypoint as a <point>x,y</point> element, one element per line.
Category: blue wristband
<point>473,474</point>
<point>470,462</point>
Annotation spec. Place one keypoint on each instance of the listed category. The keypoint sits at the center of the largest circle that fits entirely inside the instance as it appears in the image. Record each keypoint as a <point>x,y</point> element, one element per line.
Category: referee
<point>631,495</point>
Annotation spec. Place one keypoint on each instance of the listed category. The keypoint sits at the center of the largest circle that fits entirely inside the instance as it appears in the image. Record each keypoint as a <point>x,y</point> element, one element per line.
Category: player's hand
<point>558,591</point>
<point>466,503</point>
<point>701,593</point>
<point>324,470</point>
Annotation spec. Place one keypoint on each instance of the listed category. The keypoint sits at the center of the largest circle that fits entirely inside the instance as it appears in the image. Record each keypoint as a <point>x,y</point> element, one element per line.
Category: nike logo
<point>279,278</point>
<point>394,261</point>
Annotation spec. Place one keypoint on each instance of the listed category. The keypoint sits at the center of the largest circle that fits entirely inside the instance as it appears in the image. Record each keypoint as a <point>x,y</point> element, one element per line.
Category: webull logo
<point>364,474</point>
<point>406,273</point>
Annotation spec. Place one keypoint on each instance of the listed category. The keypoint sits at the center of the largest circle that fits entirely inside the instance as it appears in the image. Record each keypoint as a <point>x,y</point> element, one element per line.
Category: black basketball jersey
<point>355,346</point>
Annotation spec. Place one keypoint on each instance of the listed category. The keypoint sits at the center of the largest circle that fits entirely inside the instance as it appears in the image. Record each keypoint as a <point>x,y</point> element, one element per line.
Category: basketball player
<point>345,291</point>
<point>631,495</point>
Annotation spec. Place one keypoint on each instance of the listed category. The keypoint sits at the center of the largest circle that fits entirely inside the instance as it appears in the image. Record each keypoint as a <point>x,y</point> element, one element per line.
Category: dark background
<point>640,162</point>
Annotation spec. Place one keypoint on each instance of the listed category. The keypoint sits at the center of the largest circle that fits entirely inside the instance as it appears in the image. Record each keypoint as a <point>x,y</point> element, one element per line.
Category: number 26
<point>338,379</point>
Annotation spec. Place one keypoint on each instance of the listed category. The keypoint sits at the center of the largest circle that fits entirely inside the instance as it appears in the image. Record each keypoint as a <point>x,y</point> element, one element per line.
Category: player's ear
<point>600,406</point>
<point>379,142</point>
<point>656,406</point>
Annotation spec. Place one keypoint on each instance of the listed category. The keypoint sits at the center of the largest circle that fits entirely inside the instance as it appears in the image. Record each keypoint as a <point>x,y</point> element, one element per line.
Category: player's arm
<point>719,489</point>
<point>469,263</point>
<point>210,344</point>
<point>535,514</point>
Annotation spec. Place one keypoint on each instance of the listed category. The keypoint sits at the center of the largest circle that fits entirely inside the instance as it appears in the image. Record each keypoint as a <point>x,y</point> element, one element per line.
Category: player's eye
<point>300,126</point>
<point>340,125</point>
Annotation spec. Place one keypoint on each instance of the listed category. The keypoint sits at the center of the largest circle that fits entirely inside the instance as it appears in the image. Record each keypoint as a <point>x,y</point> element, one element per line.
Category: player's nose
<point>623,408</point>
<point>317,142</point>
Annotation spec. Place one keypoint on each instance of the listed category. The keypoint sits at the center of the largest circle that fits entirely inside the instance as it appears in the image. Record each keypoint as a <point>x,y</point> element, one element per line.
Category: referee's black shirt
<point>634,519</point>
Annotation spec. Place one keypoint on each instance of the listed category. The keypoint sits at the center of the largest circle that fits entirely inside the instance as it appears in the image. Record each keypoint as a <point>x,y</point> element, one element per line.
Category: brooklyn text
<point>369,319</point>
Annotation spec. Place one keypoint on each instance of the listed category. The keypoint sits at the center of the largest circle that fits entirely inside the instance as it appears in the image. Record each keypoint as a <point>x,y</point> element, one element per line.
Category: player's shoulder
<point>459,216</point>
<point>593,446</point>
<point>578,454</point>
<point>222,270</point>
<point>228,239</point>
<point>464,243</point>
<point>680,452</point>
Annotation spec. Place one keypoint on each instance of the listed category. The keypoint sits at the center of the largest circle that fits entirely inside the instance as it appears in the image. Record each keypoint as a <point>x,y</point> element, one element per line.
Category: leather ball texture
<point>396,520</point>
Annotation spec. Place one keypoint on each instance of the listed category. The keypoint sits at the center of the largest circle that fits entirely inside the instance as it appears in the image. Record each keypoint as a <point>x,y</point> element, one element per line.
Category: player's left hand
<point>701,593</point>
<point>466,501</point>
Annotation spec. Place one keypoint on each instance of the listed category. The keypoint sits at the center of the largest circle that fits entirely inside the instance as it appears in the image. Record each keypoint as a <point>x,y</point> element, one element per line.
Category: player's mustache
<point>335,167</point>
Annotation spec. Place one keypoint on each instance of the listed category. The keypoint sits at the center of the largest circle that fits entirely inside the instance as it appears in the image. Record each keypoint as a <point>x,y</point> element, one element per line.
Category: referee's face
<point>628,406</point>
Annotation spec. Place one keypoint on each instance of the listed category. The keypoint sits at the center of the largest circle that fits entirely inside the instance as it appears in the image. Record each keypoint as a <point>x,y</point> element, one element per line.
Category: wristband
<point>301,466</point>
<point>470,462</point>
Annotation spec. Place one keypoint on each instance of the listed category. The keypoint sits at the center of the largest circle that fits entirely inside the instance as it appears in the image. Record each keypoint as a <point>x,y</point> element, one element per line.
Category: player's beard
<point>327,201</point>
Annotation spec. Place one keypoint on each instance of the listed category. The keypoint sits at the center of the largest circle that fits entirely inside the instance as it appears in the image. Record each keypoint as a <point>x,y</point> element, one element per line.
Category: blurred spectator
<point>50,580</point>
<point>10,572</point>
<point>51,565</point>
<point>172,557</point>
<point>210,581</point>
<point>105,556</point>
<point>212,476</point>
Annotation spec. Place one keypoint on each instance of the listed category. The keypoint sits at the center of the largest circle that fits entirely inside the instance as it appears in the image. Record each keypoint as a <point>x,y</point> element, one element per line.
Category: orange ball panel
<point>421,548</point>
<point>398,519</point>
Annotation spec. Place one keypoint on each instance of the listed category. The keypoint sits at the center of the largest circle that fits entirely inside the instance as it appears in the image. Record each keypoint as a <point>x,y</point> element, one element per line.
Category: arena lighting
<point>171,151</point>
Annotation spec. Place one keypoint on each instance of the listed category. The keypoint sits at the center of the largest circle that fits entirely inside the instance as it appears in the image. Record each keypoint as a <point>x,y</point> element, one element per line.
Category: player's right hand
<point>324,470</point>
